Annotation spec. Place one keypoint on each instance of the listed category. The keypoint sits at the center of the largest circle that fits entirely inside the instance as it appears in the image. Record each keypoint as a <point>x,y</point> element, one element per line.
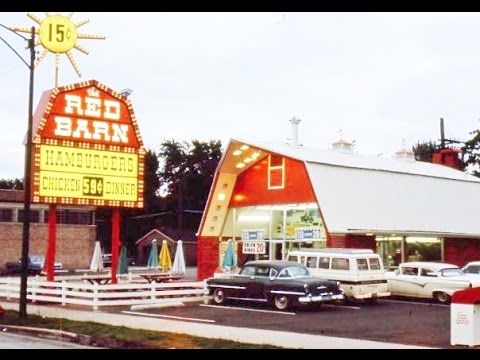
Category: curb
<point>49,333</point>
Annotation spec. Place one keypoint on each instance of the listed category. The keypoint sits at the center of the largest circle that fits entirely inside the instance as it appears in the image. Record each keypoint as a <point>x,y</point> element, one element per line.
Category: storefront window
<point>283,227</point>
<point>424,249</point>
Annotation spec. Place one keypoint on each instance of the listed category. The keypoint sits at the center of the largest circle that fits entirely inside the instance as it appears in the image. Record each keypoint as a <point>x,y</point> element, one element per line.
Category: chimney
<point>294,121</point>
<point>448,157</point>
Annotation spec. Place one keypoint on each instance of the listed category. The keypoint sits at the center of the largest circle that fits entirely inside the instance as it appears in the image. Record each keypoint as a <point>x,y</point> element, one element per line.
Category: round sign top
<point>58,34</point>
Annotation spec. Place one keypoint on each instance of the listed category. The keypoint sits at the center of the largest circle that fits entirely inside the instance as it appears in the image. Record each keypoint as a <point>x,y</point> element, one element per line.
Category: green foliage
<point>11,184</point>
<point>471,153</point>
<point>424,151</point>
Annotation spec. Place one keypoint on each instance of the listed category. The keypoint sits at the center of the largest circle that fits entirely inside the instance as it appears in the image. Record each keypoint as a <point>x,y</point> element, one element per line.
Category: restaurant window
<point>6,215</point>
<point>34,216</point>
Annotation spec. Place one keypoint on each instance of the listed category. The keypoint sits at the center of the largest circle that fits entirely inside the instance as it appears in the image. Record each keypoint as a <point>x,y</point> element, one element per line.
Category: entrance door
<point>276,249</point>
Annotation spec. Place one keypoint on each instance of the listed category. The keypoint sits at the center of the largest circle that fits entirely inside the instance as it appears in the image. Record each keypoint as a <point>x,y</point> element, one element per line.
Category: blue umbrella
<point>229,262</point>
<point>152,262</point>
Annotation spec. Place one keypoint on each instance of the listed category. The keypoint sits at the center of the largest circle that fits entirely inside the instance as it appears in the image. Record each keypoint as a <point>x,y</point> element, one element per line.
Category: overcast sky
<point>380,77</point>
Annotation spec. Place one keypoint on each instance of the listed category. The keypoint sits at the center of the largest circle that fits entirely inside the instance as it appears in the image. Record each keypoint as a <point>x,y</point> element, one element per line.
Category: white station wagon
<point>429,280</point>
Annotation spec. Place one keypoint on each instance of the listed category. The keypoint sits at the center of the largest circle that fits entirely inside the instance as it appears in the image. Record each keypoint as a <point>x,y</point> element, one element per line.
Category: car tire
<point>281,302</point>
<point>218,296</point>
<point>442,298</point>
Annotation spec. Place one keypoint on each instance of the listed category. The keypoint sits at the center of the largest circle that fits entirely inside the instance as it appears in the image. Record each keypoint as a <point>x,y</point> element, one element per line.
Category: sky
<point>384,79</point>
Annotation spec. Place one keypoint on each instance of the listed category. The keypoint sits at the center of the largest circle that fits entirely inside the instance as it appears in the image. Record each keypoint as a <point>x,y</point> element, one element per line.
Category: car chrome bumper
<point>372,295</point>
<point>322,297</point>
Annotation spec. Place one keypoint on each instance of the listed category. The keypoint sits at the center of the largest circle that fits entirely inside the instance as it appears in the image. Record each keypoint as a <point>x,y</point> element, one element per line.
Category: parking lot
<point>394,321</point>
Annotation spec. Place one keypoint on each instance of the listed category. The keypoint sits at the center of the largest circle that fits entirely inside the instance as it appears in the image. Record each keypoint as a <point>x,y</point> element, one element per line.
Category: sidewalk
<point>245,335</point>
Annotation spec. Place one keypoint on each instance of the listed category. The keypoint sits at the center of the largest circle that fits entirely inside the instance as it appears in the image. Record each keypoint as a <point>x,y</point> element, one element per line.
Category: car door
<point>427,281</point>
<point>255,284</point>
<point>405,281</point>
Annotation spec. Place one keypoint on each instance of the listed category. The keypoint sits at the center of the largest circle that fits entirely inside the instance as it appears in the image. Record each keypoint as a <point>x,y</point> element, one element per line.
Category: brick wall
<point>337,241</point>
<point>74,245</point>
<point>207,256</point>
<point>460,251</point>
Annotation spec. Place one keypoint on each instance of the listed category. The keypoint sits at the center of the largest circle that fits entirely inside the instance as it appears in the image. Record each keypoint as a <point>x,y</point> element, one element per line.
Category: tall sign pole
<point>27,184</point>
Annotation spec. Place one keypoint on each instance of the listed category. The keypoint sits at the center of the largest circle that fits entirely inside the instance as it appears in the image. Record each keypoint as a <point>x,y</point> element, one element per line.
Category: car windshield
<point>452,272</point>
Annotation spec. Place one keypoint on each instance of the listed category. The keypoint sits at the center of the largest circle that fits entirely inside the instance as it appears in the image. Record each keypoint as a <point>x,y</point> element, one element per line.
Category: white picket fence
<point>96,295</point>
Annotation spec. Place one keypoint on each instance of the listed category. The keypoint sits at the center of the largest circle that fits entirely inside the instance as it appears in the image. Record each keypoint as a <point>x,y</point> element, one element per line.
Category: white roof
<point>431,265</point>
<point>361,194</point>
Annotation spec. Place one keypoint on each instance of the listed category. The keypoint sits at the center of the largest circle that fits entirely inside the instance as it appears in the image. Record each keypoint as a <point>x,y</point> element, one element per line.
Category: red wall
<point>461,251</point>
<point>352,242</point>
<point>251,187</point>
<point>207,256</point>
<point>361,242</point>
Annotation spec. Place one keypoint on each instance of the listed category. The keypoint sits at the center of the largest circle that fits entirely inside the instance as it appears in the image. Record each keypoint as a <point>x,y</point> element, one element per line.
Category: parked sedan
<point>436,281</point>
<point>34,265</point>
<point>280,283</point>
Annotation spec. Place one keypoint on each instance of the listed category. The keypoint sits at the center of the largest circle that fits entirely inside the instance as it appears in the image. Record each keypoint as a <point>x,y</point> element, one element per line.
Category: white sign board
<point>254,247</point>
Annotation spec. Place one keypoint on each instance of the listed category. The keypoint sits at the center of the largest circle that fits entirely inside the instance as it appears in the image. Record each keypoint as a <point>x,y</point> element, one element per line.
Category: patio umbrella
<point>165,262</point>
<point>178,266</point>
<point>97,261</point>
<point>152,262</point>
<point>123,261</point>
<point>229,262</point>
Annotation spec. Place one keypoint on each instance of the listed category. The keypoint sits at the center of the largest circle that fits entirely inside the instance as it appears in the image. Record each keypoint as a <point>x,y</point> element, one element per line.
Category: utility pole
<point>442,134</point>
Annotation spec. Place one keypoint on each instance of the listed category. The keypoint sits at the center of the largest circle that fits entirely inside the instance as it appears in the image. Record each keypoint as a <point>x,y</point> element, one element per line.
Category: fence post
<point>152,290</point>
<point>64,292</point>
<point>34,287</point>
<point>95,296</point>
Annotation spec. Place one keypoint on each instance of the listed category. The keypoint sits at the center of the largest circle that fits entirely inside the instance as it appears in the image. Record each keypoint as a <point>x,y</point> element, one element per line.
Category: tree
<point>424,151</point>
<point>186,174</point>
<point>471,153</point>
<point>11,184</point>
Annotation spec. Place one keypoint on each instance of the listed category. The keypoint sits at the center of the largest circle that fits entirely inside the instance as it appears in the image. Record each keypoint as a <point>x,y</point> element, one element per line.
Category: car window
<point>324,263</point>
<point>262,271</point>
<point>427,272</point>
<point>362,264</point>
<point>273,273</point>
<point>410,271</point>
<point>301,260</point>
<point>284,274</point>
<point>293,258</point>
<point>452,272</point>
<point>312,261</point>
<point>374,263</point>
<point>472,269</point>
<point>340,264</point>
<point>297,271</point>
<point>248,271</point>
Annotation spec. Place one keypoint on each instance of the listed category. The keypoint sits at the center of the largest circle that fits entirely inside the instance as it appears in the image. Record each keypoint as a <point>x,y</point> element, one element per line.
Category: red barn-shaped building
<point>273,198</point>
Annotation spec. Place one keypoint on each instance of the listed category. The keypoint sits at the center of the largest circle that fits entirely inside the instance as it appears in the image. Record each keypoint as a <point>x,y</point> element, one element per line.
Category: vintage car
<point>34,265</point>
<point>282,284</point>
<point>431,280</point>
<point>472,268</point>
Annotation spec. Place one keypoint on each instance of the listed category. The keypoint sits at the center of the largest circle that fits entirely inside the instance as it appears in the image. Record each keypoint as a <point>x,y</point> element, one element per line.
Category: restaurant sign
<point>87,148</point>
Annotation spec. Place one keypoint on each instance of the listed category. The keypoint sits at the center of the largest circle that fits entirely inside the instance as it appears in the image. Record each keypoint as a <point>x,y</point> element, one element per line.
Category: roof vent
<point>342,145</point>
<point>404,154</point>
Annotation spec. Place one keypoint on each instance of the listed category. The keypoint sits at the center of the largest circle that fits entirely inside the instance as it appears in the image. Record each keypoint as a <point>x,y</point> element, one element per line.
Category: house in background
<point>171,236</point>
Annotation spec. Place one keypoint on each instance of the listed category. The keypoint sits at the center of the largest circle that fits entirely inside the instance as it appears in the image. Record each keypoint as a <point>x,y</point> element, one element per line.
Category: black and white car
<point>280,283</point>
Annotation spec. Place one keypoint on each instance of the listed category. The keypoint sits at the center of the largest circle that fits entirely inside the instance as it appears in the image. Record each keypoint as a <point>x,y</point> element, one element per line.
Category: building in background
<point>76,231</point>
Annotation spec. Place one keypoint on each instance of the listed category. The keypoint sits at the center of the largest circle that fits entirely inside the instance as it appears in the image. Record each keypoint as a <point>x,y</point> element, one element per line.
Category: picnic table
<point>100,279</point>
<point>158,276</point>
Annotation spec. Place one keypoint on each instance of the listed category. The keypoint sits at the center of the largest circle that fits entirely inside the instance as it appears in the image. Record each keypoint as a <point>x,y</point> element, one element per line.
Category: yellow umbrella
<point>164,260</point>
